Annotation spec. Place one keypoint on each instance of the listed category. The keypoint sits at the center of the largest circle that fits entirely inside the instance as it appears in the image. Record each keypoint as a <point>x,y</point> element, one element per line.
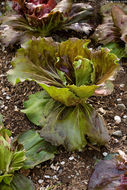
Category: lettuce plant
<point>25,151</point>
<point>37,150</point>
<point>69,72</point>
<point>112,32</point>
<point>11,159</point>
<point>42,17</point>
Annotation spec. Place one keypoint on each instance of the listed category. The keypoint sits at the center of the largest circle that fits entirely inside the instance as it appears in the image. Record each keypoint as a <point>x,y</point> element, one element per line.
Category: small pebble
<point>8,97</point>
<point>117,119</point>
<point>15,108</point>
<point>2,75</point>
<point>116,141</point>
<point>38,166</point>
<point>11,138</point>
<point>86,182</point>
<point>5,108</point>
<point>55,167</point>
<point>60,171</point>
<point>105,153</point>
<point>47,176</point>
<point>121,106</point>
<point>77,174</point>
<point>122,85</point>
<point>124,116</point>
<point>125,120</point>
<point>102,110</point>
<point>42,188</point>
<point>117,133</point>
<point>62,163</point>
<point>40,181</point>
<point>2,106</point>
<point>55,177</point>
<point>119,99</point>
<point>71,158</point>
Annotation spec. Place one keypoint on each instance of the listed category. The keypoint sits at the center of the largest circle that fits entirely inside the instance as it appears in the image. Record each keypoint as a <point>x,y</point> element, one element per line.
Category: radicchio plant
<point>69,73</point>
<point>43,17</point>
<point>113,31</point>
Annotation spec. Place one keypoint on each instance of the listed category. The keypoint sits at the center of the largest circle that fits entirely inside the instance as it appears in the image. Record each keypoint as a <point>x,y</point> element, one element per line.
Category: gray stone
<point>121,107</point>
<point>105,153</point>
<point>125,118</point>
<point>119,100</point>
<point>40,181</point>
<point>122,85</point>
<point>117,133</point>
<point>117,119</point>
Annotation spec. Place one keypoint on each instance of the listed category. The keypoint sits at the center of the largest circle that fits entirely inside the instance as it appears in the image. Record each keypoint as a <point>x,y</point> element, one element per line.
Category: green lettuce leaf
<point>117,49</point>
<point>21,182</point>
<point>1,118</point>
<point>67,126</point>
<point>5,187</point>
<point>37,150</point>
<point>38,64</point>
<point>63,95</point>
<point>10,161</point>
<point>42,106</point>
<point>4,132</point>
<point>83,92</point>
<point>70,126</point>
<point>84,71</point>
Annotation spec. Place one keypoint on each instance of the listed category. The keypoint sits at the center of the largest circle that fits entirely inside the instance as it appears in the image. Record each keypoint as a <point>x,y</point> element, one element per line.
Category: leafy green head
<point>69,71</point>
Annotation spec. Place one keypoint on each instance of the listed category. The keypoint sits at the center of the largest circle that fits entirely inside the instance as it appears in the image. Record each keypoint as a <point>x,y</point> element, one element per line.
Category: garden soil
<point>67,171</point>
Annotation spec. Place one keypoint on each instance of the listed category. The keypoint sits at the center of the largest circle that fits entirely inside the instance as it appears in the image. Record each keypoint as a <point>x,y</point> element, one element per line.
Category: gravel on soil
<point>67,171</point>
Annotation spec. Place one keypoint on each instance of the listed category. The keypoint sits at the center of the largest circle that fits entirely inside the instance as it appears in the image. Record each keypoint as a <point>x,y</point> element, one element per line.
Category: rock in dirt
<point>117,119</point>
<point>117,133</point>
<point>121,107</point>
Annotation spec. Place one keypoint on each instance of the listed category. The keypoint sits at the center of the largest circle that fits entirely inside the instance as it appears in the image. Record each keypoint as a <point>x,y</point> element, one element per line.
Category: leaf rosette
<point>69,72</point>
<point>113,31</point>
<point>43,17</point>
<point>10,160</point>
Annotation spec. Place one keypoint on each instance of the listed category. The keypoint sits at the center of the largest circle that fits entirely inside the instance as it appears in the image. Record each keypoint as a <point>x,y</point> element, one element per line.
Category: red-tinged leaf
<point>120,21</point>
<point>114,26</point>
<point>41,18</point>
<point>110,174</point>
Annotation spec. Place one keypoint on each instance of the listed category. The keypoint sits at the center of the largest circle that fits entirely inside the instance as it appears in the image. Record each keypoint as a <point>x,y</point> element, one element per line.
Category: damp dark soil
<point>67,171</point>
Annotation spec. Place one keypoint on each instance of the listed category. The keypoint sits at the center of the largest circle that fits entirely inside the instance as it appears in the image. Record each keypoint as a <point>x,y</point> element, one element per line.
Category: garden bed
<point>67,171</point>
